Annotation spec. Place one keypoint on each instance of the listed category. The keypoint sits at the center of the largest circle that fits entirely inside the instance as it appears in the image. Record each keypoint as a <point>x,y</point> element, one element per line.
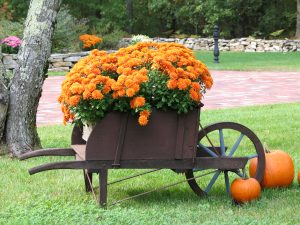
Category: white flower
<point>140,38</point>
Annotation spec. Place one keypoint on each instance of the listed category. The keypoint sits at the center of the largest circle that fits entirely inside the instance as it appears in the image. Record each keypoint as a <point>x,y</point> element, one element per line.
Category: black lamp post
<point>216,34</point>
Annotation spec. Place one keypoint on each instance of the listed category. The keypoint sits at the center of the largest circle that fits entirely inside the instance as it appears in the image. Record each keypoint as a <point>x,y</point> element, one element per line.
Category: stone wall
<point>241,44</point>
<point>64,62</point>
<point>57,62</point>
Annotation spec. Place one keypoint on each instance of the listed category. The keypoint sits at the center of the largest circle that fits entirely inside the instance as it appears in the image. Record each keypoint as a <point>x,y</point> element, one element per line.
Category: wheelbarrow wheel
<point>226,139</point>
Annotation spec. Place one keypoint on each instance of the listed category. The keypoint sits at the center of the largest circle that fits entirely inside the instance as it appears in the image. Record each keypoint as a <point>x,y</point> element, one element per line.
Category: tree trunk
<point>26,85</point>
<point>298,20</point>
<point>129,6</point>
<point>4,99</point>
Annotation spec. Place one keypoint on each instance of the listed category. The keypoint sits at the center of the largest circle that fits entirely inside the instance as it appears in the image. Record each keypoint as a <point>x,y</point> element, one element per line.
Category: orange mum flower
<point>91,87</point>
<point>137,102</point>
<point>172,84</point>
<point>89,40</point>
<point>183,83</point>
<point>130,92</point>
<point>74,100</point>
<point>76,88</point>
<point>86,94</point>
<point>143,120</point>
<point>145,113</point>
<point>194,95</point>
<point>195,85</point>
<point>97,95</point>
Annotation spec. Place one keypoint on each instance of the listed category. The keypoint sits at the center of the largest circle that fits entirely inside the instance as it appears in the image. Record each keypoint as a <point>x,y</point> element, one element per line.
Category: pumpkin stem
<point>244,173</point>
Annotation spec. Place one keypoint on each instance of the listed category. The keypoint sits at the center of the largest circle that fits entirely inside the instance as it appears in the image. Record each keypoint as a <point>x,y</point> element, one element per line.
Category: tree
<point>24,90</point>
<point>298,20</point>
<point>4,96</point>
<point>129,5</point>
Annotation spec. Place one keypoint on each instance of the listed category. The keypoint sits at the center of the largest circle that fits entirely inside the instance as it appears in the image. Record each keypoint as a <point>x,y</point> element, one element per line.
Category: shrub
<point>111,40</point>
<point>89,41</point>
<point>9,28</point>
<point>11,44</point>
<point>67,31</point>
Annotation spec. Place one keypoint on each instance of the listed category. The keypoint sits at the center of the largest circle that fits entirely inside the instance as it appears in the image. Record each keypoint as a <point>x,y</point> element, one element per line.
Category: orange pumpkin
<point>299,177</point>
<point>245,190</point>
<point>279,171</point>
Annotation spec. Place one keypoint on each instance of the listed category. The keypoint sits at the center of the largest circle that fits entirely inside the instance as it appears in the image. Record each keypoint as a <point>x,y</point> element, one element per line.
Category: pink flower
<point>12,41</point>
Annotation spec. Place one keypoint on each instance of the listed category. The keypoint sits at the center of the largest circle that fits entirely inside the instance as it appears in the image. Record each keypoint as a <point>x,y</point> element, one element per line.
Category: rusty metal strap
<point>160,188</point>
<point>133,176</point>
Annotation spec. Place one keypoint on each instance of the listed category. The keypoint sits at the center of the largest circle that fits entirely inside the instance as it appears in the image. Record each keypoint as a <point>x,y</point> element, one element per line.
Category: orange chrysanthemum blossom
<point>89,40</point>
<point>172,84</point>
<point>145,113</point>
<point>137,102</point>
<point>143,120</point>
<point>96,94</point>
<point>74,100</point>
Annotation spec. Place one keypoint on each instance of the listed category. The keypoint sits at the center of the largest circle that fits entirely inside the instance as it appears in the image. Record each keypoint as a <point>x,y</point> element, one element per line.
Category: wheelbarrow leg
<point>88,180</point>
<point>103,187</point>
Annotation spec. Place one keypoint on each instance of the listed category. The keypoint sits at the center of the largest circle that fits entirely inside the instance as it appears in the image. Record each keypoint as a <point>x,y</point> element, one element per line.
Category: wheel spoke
<point>239,173</point>
<point>212,181</point>
<point>236,145</point>
<point>222,142</point>
<point>252,156</point>
<point>227,182</point>
<point>210,152</point>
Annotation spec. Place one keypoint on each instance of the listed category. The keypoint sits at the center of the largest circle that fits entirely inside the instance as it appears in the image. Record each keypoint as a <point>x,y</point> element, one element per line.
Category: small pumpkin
<point>279,170</point>
<point>245,190</point>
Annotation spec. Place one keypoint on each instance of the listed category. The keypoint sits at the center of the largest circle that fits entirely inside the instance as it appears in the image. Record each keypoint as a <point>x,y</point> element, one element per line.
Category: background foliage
<point>114,19</point>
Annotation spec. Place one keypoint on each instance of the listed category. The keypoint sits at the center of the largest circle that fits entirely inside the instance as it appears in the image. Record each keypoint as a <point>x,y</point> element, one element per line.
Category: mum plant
<point>11,44</point>
<point>89,41</point>
<point>138,79</point>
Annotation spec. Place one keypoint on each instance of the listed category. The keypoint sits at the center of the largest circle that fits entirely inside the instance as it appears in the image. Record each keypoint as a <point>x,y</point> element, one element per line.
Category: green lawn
<point>264,61</point>
<point>56,73</point>
<point>58,197</point>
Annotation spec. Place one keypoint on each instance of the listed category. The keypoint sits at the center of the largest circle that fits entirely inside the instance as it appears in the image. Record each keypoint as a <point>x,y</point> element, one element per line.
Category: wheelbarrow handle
<point>48,152</point>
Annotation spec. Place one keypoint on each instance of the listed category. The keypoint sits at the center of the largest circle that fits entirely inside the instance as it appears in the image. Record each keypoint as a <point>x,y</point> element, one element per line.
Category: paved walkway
<point>230,89</point>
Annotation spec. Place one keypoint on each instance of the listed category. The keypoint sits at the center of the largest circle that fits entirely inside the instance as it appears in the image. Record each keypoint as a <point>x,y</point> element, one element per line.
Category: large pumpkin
<point>245,190</point>
<point>279,171</point>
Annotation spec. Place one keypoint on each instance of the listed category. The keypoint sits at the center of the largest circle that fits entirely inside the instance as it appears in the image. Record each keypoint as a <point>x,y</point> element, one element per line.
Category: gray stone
<point>182,41</point>
<point>72,59</point>
<point>197,47</point>
<point>237,48</point>
<point>77,54</point>
<point>244,43</point>
<point>250,50</point>
<point>253,45</point>
<point>58,56</point>
<point>260,49</point>
<point>51,60</point>
<point>60,69</point>
<point>62,64</point>
<point>9,63</point>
